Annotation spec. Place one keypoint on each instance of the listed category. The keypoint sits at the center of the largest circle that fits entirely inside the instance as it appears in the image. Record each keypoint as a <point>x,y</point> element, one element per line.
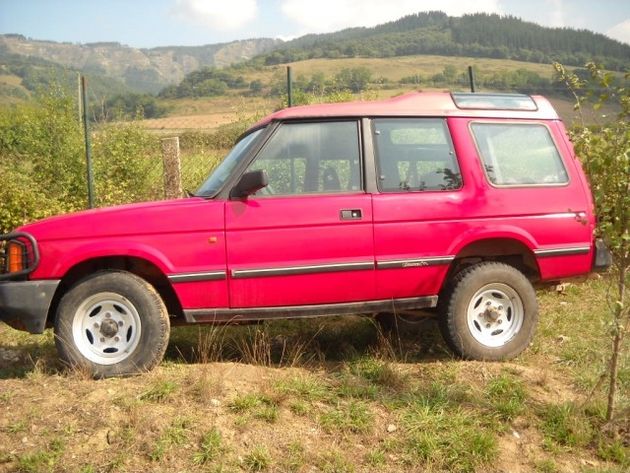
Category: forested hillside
<point>478,35</point>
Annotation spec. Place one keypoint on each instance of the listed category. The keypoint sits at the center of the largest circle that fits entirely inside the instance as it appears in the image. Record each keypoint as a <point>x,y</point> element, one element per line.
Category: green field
<point>396,68</point>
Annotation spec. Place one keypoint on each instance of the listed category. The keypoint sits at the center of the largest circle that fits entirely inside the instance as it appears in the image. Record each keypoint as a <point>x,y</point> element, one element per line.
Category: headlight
<point>15,256</point>
<point>19,255</point>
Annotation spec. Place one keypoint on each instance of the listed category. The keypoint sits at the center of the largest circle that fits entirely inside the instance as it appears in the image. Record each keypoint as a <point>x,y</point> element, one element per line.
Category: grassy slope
<point>209,113</point>
<point>396,68</point>
<point>328,396</point>
<point>10,82</point>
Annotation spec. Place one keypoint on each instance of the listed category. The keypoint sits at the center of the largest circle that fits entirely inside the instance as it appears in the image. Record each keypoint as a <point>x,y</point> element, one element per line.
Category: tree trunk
<point>619,333</point>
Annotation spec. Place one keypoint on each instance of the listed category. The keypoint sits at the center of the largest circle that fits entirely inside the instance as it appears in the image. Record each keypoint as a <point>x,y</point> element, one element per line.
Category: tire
<point>488,311</point>
<point>112,323</point>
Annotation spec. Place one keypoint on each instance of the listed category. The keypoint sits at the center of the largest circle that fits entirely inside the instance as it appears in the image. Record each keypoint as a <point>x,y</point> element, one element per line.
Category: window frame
<point>361,155</point>
<point>377,158</point>
<point>481,161</point>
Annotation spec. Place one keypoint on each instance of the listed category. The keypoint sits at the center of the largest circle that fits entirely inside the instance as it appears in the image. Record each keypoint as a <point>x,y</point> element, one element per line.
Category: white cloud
<point>321,16</point>
<point>219,14</point>
<point>556,14</point>
<point>621,31</point>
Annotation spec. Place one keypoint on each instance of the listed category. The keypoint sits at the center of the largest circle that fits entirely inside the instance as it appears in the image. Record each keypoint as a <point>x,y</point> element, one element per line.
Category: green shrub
<point>127,164</point>
<point>43,167</point>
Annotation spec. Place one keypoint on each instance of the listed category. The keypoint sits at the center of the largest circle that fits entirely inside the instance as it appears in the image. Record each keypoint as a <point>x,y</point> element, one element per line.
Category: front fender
<point>58,257</point>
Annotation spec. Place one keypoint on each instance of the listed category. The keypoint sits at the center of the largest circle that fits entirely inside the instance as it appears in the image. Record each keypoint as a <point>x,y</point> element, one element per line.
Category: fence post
<point>471,78</point>
<point>289,86</point>
<point>88,146</point>
<point>172,168</point>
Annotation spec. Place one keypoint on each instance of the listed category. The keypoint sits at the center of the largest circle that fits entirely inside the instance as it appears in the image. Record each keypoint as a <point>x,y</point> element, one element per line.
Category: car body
<point>361,207</point>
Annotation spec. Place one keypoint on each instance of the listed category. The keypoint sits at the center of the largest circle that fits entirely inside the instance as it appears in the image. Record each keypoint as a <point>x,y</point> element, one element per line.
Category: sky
<point>151,23</point>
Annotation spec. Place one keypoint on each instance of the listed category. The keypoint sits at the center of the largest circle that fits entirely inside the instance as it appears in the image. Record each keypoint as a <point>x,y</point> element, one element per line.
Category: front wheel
<point>112,323</point>
<point>488,312</point>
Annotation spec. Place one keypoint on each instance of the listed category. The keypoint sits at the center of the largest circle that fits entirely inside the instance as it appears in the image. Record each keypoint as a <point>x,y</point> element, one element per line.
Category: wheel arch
<point>509,249</point>
<point>139,266</point>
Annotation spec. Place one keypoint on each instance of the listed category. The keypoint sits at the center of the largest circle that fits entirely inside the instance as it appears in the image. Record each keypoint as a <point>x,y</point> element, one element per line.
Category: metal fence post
<point>471,78</point>
<point>172,168</point>
<point>289,86</point>
<point>88,147</point>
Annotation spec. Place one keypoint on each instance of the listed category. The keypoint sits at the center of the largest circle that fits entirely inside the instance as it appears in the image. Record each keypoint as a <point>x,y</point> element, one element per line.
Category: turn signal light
<point>16,257</point>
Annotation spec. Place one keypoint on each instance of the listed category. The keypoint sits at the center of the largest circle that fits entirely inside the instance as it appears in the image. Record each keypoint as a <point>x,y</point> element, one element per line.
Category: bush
<point>127,163</point>
<point>42,161</point>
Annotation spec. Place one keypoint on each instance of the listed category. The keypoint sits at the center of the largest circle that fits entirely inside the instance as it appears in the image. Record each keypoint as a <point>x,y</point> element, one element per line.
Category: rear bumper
<point>602,259</point>
<point>24,305</point>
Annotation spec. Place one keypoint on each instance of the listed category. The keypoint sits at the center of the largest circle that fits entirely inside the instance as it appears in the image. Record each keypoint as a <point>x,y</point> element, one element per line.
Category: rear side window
<point>519,154</point>
<point>415,155</point>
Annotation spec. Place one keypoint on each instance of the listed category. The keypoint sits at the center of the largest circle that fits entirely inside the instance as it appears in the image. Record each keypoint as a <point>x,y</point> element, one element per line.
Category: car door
<point>306,238</point>
<point>420,195</point>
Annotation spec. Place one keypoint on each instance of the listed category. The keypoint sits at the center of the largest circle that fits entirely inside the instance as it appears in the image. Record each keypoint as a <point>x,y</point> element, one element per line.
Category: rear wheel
<point>488,312</point>
<point>112,323</point>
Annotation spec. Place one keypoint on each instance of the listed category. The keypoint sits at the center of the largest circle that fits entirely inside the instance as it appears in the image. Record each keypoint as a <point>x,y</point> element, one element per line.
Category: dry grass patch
<point>348,405</point>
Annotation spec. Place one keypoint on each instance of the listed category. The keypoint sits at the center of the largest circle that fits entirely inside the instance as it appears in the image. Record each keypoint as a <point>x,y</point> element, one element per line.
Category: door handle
<point>581,217</point>
<point>350,214</point>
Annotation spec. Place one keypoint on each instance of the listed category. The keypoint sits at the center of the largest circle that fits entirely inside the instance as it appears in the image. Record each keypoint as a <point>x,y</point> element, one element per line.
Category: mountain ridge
<point>434,33</point>
<point>142,70</point>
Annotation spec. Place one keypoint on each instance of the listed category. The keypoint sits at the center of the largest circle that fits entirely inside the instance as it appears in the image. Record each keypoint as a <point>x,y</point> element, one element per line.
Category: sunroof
<point>494,101</point>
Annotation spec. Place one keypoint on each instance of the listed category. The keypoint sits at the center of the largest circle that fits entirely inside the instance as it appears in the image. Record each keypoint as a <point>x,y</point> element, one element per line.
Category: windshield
<point>212,185</point>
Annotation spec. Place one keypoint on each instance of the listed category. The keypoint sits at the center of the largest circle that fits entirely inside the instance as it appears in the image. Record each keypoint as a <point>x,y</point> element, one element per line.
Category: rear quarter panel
<point>442,223</point>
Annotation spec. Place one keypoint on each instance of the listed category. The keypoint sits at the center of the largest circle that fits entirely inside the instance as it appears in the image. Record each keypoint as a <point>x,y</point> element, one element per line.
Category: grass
<point>210,448</point>
<point>445,434</point>
<point>159,391</point>
<point>305,387</point>
<point>259,406</point>
<point>42,460</point>
<point>334,462</point>
<point>259,459</point>
<point>353,417</point>
<point>175,434</point>
<point>506,396</point>
<point>295,458</point>
<point>565,425</point>
<point>349,404</point>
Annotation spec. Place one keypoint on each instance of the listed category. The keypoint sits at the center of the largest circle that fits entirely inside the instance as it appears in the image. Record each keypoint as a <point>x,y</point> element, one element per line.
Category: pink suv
<point>457,202</point>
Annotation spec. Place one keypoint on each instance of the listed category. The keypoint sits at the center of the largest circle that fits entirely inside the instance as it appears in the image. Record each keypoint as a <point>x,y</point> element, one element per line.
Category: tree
<point>356,79</point>
<point>606,154</point>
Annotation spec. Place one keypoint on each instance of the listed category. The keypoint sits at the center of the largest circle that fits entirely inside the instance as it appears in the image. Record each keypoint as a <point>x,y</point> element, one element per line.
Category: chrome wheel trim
<point>495,315</point>
<point>106,328</point>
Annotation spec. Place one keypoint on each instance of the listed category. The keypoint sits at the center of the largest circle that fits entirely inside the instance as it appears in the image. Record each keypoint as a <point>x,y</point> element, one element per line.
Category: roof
<point>426,104</point>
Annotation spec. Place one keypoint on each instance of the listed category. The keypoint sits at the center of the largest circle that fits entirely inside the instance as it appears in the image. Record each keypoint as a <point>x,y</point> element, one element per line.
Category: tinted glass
<point>306,158</point>
<point>494,101</point>
<point>415,155</point>
<point>519,154</point>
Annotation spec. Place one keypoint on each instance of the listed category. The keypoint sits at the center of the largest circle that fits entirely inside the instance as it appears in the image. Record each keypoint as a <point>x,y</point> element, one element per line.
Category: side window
<point>415,155</point>
<point>307,158</point>
<point>519,154</point>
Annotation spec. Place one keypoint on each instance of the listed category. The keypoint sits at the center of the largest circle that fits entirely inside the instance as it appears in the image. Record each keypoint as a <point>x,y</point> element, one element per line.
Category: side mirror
<point>249,183</point>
